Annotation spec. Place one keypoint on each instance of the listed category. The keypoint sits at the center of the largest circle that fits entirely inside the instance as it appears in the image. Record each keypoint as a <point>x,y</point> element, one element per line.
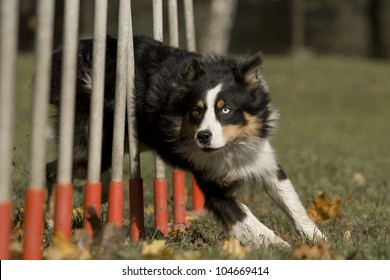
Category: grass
<point>333,137</point>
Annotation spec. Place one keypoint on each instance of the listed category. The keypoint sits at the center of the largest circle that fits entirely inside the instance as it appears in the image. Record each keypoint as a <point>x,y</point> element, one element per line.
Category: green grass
<point>334,123</point>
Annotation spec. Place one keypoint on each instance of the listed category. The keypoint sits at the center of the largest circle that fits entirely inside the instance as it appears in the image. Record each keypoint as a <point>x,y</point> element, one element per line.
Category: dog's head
<point>228,102</point>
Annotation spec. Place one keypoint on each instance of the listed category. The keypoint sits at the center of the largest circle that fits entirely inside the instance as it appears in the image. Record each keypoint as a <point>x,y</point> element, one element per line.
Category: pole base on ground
<point>136,209</point>
<point>92,198</point>
<point>179,199</point>
<point>33,223</point>
<point>161,205</point>
<point>115,203</point>
<point>5,228</point>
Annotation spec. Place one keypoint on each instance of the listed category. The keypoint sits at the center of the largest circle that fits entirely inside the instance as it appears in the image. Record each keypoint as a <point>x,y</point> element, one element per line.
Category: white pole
<point>135,165</point>
<point>8,51</point>
<point>173,23</point>
<point>43,53</point>
<point>120,91</point>
<point>158,35</point>
<point>190,25</point>
<point>68,88</point>
<point>97,98</point>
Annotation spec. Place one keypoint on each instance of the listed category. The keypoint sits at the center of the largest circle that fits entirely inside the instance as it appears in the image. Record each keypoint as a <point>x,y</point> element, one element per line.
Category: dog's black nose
<point>204,137</point>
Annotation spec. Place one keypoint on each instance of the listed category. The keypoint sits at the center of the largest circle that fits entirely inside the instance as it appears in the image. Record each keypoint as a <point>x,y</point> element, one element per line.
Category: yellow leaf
<point>153,249</point>
<point>321,209</point>
<point>63,249</point>
<point>149,209</point>
<point>234,248</point>
<point>321,251</point>
<point>359,179</point>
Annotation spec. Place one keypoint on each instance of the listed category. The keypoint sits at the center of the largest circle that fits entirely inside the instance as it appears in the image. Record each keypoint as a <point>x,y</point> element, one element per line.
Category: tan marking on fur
<point>235,131</point>
<point>200,104</point>
<point>253,79</point>
<point>220,104</point>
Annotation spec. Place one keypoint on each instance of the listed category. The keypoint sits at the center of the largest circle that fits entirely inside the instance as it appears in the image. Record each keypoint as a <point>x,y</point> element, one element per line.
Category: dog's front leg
<point>237,219</point>
<point>281,190</point>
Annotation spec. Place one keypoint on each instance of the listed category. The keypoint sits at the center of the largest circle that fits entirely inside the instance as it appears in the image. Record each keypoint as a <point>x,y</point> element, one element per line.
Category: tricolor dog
<point>208,114</point>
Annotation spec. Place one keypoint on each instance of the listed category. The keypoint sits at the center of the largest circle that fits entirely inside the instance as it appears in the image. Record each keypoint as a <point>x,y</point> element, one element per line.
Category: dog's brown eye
<point>196,111</point>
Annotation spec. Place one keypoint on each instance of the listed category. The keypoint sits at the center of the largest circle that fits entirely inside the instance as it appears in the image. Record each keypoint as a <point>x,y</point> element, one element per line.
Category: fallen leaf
<point>82,240</point>
<point>359,179</point>
<point>321,251</point>
<point>63,249</point>
<point>321,209</point>
<point>154,248</point>
<point>157,250</point>
<point>348,236</point>
<point>234,248</point>
<point>149,209</point>
<point>112,239</point>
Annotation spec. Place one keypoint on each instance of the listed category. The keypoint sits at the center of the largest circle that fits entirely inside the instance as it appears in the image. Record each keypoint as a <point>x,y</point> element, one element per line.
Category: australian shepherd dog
<point>208,114</point>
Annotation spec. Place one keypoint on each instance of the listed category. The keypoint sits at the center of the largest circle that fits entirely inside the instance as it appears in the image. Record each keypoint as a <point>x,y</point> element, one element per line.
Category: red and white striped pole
<point>93,188</point>
<point>160,182</point>
<point>197,195</point>
<point>35,194</point>
<point>64,187</point>
<point>178,176</point>
<point>116,188</point>
<point>136,183</point>
<point>8,50</point>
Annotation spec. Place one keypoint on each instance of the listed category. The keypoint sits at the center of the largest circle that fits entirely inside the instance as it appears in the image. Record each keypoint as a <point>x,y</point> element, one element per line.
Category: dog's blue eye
<point>226,110</point>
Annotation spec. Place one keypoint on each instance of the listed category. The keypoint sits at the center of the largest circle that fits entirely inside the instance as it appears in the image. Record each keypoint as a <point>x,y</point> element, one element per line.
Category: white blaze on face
<point>210,121</point>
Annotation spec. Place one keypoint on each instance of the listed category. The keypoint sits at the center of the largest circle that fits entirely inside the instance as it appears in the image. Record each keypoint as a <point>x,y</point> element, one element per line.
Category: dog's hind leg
<point>281,190</point>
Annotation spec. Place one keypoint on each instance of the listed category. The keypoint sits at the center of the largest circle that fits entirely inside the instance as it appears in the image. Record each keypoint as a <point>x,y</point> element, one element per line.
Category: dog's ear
<point>192,70</point>
<point>249,73</point>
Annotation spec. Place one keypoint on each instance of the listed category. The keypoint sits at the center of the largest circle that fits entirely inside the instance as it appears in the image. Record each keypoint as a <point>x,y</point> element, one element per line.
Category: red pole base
<point>92,198</point>
<point>197,197</point>
<point>63,210</point>
<point>5,228</point>
<point>161,205</point>
<point>33,223</point>
<point>179,199</point>
<point>136,209</point>
<point>115,203</point>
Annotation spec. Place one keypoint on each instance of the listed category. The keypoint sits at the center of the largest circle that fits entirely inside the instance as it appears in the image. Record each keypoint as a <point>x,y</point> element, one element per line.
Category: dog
<point>207,114</point>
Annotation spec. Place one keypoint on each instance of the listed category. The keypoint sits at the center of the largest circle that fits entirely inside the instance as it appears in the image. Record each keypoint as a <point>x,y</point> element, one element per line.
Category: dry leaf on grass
<point>157,250</point>
<point>63,249</point>
<point>320,251</point>
<point>321,209</point>
<point>234,248</point>
<point>359,179</point>
<point>149,209</point>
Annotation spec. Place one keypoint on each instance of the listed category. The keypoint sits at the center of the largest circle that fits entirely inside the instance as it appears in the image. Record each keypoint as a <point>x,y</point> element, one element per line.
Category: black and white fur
<point>210,115</point>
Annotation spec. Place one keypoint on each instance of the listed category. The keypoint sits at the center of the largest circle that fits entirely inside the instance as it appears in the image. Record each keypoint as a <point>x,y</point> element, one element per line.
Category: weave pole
<point>160,182</point>
<point>116,188</point>
<point>178,176</point>
<point>64,187</point>
<point>93,188</point>
<point>136,183</point>
<point>8,50</point>
<point>35,194</point>
<point>189,23</point>
<point>197,195</point>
